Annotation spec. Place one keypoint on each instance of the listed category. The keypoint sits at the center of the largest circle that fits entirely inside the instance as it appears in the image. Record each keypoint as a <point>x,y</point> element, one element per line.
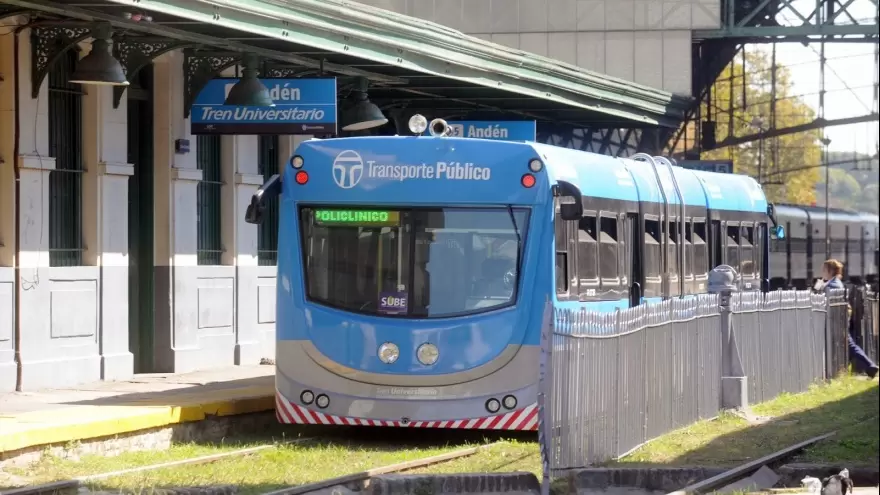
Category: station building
<point>123,246</point>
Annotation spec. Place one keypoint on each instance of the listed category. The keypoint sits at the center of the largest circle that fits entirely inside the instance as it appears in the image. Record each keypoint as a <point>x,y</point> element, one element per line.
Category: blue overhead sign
<point>720,166</point>
<point>302,106</point>
<point>514,130</point>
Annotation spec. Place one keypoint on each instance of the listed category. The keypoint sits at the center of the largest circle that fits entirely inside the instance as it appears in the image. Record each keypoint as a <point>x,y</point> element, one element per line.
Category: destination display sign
<point>357,218</point>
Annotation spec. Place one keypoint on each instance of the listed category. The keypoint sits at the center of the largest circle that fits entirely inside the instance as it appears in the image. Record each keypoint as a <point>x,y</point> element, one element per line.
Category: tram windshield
<point>417,263</point>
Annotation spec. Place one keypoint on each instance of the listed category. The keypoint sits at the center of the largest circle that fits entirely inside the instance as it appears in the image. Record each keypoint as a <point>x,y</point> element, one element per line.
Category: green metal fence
<point>210,243</point>
<point>267,240</point>
<point>65,182</point>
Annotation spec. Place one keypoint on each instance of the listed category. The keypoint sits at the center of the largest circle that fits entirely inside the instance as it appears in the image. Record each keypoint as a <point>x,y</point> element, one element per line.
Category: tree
<point>786,161</point>
<point>854,182</point>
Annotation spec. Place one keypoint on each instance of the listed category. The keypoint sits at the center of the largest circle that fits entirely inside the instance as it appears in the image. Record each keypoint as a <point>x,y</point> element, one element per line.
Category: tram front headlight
<point>307,397</point>
<point>388,352</point>
<point>427,354</point>
<point>493,406</point>
<point>418,124</point>
<point>509,401</point>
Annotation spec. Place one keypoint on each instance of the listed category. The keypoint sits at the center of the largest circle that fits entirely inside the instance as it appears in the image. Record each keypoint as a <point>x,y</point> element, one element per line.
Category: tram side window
<point>688,249</point>
<point>716,245</point>
<point>760,235</point>
<point>609,262</point>
<point>652,258</point>
<point>733,236</point>
<point>626,255</point>
<point>562,277</point>
<point>588,255</point>
<point>701,250</point>
<point>747,251</point>
<point>672,250</point>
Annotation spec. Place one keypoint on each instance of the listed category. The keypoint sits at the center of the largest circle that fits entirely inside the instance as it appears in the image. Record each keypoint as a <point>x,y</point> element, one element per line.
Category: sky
<point>848,65</point>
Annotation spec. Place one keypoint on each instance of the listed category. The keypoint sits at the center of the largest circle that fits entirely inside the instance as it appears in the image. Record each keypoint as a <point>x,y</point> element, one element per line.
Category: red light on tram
<point>301,177</point>
<point>528,180</point>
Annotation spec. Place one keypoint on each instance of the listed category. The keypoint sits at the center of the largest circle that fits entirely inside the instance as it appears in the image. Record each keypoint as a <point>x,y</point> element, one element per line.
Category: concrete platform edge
<point>120,420</point>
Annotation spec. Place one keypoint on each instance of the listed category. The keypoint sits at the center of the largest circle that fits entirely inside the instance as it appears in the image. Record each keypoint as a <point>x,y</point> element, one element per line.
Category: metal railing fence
<point>837,320</point>
<point>866,320</point>
<point>781,339</point>
<point>612,381</point>
<point>620,379</point>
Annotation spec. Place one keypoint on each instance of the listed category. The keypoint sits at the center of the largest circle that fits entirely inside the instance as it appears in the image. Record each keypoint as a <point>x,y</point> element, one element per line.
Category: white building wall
<point>74,320</point>
<point>645,41</point>
<point>7,208</point>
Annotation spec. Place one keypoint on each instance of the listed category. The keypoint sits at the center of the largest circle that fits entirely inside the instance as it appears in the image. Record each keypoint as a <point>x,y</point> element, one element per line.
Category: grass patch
<point>506,456</point>
<point>276,468</point>
<point>849,405</point>
<point>340,451</point>
<point>729,440</point>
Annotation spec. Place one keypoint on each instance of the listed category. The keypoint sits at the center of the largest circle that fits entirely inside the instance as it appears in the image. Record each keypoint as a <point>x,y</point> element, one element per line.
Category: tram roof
<point>412,63</point>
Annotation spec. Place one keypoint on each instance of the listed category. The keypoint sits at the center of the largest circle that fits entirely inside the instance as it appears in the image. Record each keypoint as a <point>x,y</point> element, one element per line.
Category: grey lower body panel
<point>354,402</point>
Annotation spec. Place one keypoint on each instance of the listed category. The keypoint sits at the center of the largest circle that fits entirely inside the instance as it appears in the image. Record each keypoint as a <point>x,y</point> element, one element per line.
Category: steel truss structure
<point>746,22</point>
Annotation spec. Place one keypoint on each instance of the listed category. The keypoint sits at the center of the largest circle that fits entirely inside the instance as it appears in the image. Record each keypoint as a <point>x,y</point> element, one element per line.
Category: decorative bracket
<point>198,69</point>
<point>287,72</point>
<point>48,43</point>
<point>134,54</point>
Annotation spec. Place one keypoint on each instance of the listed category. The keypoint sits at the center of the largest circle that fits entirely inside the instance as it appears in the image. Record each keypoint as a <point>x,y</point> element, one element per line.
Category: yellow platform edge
<point>122,419</point>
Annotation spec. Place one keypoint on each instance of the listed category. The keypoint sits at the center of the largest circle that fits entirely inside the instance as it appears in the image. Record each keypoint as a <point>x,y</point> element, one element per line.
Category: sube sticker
<point>393,302</point>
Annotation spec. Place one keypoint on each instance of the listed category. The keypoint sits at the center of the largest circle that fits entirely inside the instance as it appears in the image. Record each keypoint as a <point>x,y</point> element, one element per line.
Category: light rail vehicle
<point>413,271</point>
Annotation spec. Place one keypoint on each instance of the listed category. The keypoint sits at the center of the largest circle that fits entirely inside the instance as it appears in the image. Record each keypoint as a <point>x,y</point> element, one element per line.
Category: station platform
<point>102,409</point>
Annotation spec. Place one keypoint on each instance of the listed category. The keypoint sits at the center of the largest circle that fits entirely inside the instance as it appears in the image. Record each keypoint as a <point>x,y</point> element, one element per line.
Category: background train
<point>796,260</point>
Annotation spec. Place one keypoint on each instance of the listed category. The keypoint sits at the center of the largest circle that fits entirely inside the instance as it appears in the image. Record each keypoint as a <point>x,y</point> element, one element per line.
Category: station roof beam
<point>408,63</point>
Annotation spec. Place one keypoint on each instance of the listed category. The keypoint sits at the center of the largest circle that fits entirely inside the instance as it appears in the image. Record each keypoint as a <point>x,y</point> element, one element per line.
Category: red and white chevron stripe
<point>525,419</point>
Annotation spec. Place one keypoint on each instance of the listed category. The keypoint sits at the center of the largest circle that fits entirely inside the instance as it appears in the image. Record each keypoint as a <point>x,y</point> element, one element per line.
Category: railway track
<point>323,486</point>
<point>739,478</point>
<point>341,481</point>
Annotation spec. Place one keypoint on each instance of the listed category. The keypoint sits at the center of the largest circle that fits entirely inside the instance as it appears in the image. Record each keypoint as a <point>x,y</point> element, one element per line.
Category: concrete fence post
<point>734,382</point>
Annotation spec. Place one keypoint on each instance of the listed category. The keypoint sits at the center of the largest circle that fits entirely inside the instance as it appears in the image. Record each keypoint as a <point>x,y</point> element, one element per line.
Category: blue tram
<point>413,271</point>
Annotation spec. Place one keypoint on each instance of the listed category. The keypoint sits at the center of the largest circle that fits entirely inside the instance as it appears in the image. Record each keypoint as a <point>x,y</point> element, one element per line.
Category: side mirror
<point>778,232</point>
<point>571,211</point>
<point>271,189</point>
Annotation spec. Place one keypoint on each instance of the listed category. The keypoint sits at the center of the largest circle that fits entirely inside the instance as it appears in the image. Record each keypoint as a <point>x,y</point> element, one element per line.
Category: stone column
<point>241,179</point>
<point>176,180</point>
<point>105,221</point>
<point>8,222</point>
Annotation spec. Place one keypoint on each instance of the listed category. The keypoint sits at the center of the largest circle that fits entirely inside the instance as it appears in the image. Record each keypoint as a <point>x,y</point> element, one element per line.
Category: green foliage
<point>855,182</point>
<point>786,159</point>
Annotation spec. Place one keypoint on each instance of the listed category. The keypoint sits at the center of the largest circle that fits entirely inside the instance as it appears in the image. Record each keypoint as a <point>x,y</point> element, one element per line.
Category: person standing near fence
<point>832,271</point>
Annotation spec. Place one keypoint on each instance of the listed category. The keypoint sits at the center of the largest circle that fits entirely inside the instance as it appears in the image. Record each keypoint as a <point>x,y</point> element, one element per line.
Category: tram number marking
<point>590,293</point>
<point>408,391</point>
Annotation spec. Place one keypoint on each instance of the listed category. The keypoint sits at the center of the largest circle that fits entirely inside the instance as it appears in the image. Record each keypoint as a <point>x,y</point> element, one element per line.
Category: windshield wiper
<point>516,232</point>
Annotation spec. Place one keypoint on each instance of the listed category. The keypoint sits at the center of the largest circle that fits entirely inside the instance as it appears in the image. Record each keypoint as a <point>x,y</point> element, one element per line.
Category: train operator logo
<point>348,169</point>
